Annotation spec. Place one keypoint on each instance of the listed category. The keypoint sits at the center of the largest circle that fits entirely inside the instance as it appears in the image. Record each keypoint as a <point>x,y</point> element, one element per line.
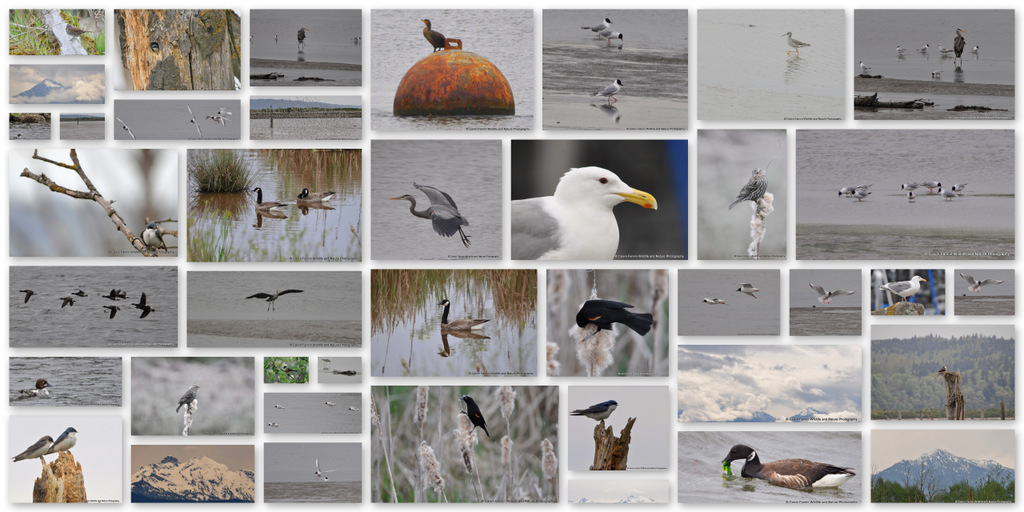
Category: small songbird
<point>754,190</point>
<point>597,412</point>
<point>603,313</point>
<point>188,397</point>
<point>75,31</point>
<point>65,441</point>
<point>474,414</point>
<point>39,390</point>
<point>37,450</point>
<point>153,237</point>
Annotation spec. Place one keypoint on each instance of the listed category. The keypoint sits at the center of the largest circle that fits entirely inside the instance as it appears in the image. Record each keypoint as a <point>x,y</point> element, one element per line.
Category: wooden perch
<point>954,397</point>
<point>91,195</point>
<point>610,452</point>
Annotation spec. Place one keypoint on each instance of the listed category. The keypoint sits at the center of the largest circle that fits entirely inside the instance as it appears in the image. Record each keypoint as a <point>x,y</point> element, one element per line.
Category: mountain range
<point>42,89</point>
<point>265,104</point>
<point>196,480</point>
<point>944,469</point>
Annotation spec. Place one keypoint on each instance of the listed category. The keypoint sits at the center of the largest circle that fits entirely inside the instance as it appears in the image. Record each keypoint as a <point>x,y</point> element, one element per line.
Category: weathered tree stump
<point>174,50</point>
<point>954,397</point>
<point>610,452</point>
<point>61,481</point>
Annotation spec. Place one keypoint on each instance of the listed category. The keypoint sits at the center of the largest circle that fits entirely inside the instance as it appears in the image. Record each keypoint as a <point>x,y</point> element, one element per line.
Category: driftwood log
<point>176,50</point>
<point>872,102</point>
<point>610,452</point>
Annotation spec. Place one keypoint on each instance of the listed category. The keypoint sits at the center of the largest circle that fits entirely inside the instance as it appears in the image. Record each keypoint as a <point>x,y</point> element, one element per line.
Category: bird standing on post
<point>754,190</point>
<point>188,397</point>
<point>474,414</point>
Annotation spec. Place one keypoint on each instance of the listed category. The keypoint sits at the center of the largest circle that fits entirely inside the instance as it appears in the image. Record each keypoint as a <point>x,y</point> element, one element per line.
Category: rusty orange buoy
<point>454,83</point>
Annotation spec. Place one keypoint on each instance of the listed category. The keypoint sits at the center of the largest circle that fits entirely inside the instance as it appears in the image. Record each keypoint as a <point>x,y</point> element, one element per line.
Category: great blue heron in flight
<point>442,212</point>
<point>958,45</point>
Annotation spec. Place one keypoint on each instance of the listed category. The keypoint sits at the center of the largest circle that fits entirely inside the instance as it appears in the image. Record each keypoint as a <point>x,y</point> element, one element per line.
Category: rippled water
<point>825,321</point>
<point>328,128</point>
<point>978,306</point>
<point>312,492</point>
<point>82,130</point>
<point>30,131</point>
<point>503,37</point>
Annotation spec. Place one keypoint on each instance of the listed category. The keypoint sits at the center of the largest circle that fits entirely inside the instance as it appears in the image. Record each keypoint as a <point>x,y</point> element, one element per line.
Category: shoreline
<point>897,85</point>
<point>288,64</point>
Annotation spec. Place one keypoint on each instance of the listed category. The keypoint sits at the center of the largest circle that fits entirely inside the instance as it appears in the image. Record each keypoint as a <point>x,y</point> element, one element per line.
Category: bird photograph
<point>240,309</point>
<point>254,195</point>
<point>485,82</point>
<point>911,291</point>
<point>747,164</point>
<point>904,360</point>
<point>307,413</point>
<point>984,292</point>
<point>753,297</point>
<point>169,119</point>
<point>456,435</point>
<point>65,441</point>
<point>798,55</point>
<point>832,292</point>
<point>445,212</point>
<point>223,389</point>
<point>306,117</point>
<point>725,377</point>
<point>312,472</point>
<point>454,322</point>
<point>608,322</point>
<point>34,32</point>
<point>68,301</point>
<point>827,229</point>
<point>583,53</point>
<point>305,47</point>
<point>68,381</point>
<point>569,213</point>
<point>740,467</point>
<point>596,408</point>
<point>138,184</point>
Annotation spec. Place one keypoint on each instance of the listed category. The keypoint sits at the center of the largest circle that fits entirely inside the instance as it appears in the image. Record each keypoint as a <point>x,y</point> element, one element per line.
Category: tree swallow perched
<point>188,397</point>
<point>38,449</point>
<point>597,412</point>
<point>65,442</point>
<point>152,236</point>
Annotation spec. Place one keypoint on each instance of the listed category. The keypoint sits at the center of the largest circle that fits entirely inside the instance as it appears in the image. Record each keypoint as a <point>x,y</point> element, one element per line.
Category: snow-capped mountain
<point>944,469</point>
<point>637,499</point>
<point>44,88</point>
<point>809,413</point>
<point>759,416</point>
<point>196,480</point>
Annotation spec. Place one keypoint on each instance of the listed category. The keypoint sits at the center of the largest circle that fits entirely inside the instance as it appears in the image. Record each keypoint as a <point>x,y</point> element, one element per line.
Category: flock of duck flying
<point>220,117</point>
<point>114,295</point>
<point>861,192</point>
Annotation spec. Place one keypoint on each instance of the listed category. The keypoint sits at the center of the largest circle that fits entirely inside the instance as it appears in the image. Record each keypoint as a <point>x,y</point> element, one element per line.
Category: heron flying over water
<point>442,212</point>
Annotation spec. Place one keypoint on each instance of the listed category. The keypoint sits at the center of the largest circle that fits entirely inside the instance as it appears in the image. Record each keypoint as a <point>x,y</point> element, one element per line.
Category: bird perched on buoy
<point>435,38</point>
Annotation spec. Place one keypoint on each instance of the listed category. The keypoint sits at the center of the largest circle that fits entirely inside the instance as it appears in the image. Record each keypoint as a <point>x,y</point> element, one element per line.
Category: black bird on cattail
<point>474,414</point>
<point>754,190</point>
<point>603,313</point>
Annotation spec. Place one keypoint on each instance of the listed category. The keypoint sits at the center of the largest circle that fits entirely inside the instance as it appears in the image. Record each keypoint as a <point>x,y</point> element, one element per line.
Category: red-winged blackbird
<point>603,313</point>
<point>474,414</point>
<point>188,397</point>
<point>753,190</point>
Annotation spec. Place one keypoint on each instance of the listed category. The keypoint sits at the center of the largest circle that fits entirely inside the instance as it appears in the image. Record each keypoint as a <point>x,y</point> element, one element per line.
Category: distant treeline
<point>904,372</point>
<point>990,413</point>
<point>992,490</point>
<point>303,112</point>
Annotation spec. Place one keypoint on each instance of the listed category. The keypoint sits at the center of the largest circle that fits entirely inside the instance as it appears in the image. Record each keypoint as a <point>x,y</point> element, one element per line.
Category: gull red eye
<point>603,181</point>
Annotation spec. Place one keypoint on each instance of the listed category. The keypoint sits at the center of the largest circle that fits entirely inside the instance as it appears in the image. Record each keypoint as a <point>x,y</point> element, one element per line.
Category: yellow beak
<point>641,198</point>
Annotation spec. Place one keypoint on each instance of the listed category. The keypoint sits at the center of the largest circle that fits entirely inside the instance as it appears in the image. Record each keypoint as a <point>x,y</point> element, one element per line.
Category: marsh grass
<point>394,460</point>
<point>397,295</point>
<point>313,168</point>
<point>209,238</point>
<point>220,170</point>
<point>28,34</point>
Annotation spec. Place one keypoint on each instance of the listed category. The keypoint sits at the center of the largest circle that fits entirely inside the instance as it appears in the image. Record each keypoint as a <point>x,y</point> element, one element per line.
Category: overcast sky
<point>614,491</point>
<point>648,404</point>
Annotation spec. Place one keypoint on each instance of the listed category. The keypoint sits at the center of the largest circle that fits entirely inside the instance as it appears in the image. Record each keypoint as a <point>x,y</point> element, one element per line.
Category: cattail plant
<point>384,449</point>
<point>550,464</point>
<point>422,394</point>
<point>466,440</point>
<point>554,367</point>
<point>759,223</point>
<point>593,347</point>
<point>507,400</point>
<point>431,471</point>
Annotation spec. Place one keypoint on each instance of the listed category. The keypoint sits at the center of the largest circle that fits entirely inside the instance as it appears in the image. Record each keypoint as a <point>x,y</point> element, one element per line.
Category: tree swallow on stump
<point>65,442</point>
<point>597,412</point>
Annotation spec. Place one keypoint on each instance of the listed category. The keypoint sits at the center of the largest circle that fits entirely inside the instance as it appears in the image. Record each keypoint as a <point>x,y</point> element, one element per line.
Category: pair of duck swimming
<point>305,197</point>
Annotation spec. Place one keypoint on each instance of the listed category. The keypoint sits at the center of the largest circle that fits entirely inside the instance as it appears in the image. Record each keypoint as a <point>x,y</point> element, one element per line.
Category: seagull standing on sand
<point>610,91</point>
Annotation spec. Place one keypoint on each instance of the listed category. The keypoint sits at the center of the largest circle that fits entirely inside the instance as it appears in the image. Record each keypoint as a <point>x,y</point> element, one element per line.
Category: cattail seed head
<point>550,461</point>
<point>422,394</point>
<point>507,399</point>
<point>431,468</point>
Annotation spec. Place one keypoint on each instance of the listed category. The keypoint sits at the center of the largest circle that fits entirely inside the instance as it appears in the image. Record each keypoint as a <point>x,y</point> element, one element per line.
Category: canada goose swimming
<point>113,310</point>
<point>269,205</point>
<point>28,293</point>
<point>271,297</point>
<point>435,38</point>
<point>80,293</point>
<point>792,473</point>
<point>461,324</point>
<point>315,197</point>
<point>68,301</point>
